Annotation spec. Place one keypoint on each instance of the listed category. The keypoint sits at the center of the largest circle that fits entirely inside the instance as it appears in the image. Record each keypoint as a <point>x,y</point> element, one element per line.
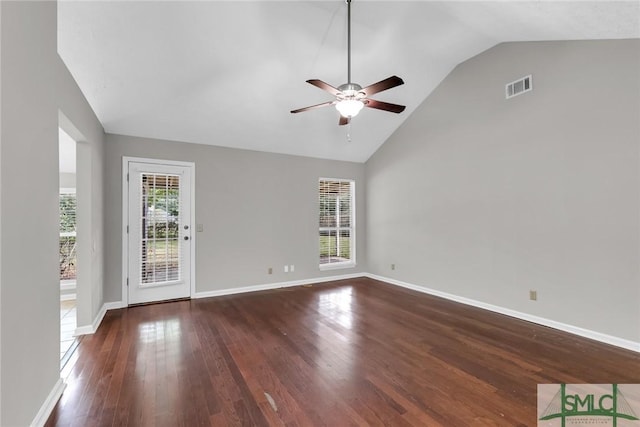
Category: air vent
<point>518,87</point>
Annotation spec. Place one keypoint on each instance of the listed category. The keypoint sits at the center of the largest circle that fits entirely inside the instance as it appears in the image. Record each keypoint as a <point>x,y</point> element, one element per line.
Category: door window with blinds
<point>159,243</point>
<point>336,203</point>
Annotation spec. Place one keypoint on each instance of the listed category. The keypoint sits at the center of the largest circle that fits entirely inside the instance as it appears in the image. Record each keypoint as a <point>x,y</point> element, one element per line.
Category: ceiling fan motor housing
<point>351,91</point>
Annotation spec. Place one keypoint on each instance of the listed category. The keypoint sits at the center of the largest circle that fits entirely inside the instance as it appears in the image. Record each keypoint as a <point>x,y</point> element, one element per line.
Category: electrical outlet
<point>533,295</point>
<point>286,268</point>
<point>393,266</point>
<point>270,270</point>
<point>292,268</point>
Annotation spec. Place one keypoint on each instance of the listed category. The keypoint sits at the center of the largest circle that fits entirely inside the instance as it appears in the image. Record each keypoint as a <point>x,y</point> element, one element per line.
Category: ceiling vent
<point>518,87</point>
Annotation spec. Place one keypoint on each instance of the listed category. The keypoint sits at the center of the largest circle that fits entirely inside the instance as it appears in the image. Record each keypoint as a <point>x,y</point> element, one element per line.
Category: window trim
<point>352,240</point>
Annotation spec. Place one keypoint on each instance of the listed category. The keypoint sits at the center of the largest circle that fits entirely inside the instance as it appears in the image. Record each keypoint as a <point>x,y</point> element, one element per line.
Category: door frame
<point>125,219</point>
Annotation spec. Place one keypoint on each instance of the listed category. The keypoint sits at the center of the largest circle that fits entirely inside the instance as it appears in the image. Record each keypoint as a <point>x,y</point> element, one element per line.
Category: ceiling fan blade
<point>343,121</point>
<point>379,105</point>
<point>313,107</point>
<point>324,86</point>
<point>385,84</point>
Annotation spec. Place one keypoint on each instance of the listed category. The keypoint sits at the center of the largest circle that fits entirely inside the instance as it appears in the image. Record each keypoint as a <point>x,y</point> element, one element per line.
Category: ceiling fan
<point>351,97</point>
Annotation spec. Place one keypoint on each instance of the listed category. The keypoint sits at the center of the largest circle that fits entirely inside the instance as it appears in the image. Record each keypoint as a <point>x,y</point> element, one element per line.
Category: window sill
<point>337,266</point>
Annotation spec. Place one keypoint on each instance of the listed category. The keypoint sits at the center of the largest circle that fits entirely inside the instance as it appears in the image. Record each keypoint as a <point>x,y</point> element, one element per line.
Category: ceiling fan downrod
<point>348,41</point>
<point>349,89</point>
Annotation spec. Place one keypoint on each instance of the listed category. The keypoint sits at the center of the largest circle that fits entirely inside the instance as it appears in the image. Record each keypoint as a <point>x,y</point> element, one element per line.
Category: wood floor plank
<point>352,352</point>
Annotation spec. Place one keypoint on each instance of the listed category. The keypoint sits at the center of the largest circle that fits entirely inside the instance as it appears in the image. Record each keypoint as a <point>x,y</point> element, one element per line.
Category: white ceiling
<point>228,72</point>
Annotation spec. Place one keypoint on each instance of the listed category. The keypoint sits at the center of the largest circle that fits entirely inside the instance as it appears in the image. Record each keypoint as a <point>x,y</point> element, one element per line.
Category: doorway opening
<point>68,243</point>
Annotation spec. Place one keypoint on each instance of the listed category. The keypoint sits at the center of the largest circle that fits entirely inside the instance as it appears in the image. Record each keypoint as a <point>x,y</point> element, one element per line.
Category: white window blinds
<point>337,222</point>
<point>160,221</point>
<point>67,235</point>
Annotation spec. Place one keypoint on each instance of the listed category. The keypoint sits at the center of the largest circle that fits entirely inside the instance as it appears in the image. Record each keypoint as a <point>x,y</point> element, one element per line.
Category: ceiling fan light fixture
<point>349,107</point>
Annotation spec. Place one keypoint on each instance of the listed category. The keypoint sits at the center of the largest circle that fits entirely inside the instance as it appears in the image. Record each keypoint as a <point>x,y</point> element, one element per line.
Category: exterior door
<point>159,232</point>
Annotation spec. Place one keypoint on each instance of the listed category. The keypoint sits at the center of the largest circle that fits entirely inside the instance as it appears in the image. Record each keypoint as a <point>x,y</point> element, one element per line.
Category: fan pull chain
<point>349,132</point>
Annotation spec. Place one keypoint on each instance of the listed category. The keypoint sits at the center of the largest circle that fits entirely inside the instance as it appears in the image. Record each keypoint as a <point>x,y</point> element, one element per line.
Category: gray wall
<point>487,198</point>
<point>0,212</point>
<point>498,197</point>
<point>35,87</point>
<point>79,121</point>
<point>259,210</point>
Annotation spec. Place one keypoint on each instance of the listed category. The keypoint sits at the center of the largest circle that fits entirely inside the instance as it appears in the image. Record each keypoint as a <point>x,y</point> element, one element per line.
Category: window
<point>67,234</point>
<point>160,239</point>
<point>337,223</point>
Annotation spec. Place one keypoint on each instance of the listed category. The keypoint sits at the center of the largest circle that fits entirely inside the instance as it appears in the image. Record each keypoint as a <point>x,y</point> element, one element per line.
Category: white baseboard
<point>50,402</point>
<point>278,285</point>
<point>597,336</point>
<point>114,305</point>
<point>91,329</point>
<point>56,393</point>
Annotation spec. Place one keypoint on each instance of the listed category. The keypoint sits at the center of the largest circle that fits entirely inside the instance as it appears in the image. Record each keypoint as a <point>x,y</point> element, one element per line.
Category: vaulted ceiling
<point>227,73</point>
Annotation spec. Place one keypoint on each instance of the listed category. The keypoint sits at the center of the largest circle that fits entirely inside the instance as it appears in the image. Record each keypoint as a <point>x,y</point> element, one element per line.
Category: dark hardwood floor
<point>351,352</point>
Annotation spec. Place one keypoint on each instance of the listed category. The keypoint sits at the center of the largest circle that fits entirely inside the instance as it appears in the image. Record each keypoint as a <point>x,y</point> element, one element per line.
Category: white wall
<point>35,87</point>
<point>487,198</point>
<point>259,210</point>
